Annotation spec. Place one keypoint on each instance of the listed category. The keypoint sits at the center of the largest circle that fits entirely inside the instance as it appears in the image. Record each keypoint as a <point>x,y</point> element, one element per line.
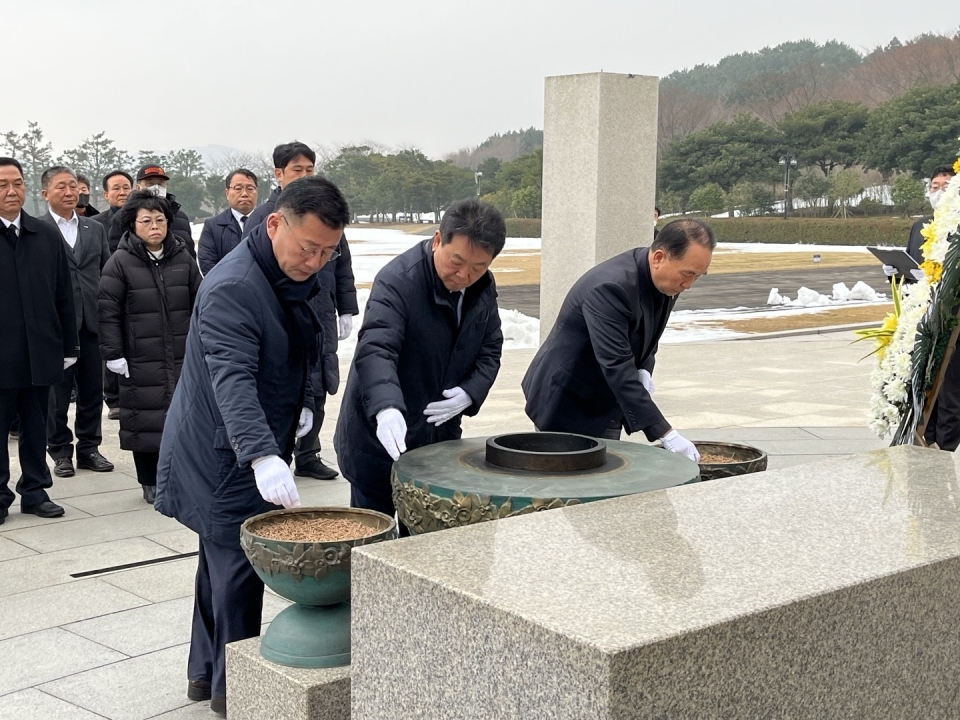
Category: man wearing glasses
<point>243,399</point>
<point>222,233</point>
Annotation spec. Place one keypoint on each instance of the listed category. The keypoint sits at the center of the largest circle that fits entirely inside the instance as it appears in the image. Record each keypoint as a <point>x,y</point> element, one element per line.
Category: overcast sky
<point>438,75</point>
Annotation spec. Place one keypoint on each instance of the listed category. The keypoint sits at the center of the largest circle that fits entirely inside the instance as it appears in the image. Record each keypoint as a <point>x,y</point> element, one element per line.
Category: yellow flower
<point>956,166</point>
<point>933,270</point>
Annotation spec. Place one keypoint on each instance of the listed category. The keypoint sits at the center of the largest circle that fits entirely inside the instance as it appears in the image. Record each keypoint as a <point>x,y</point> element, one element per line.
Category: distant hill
<point>505,147</point>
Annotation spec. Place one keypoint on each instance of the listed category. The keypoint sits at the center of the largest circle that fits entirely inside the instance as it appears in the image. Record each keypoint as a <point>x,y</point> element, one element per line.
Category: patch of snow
<point>861,293</point>
<point>796,247</point>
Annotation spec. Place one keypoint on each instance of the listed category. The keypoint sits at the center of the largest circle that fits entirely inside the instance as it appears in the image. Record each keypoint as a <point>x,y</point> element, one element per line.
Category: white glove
<point>675,442</point>
<point>275,481</point>
<point>305,422</point>
<point>392,432</point>
<point>346,327</point>
<point>119,366</point>
<point>67,362</point>
<point>917,274</point>
<point>646,379</point>
<point>439,412</point>
<point>890,270</point>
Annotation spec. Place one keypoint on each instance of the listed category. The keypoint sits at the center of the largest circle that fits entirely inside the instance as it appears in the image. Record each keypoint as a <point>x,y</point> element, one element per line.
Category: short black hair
<point>143,200</point>
<point>942,170</point>
<point>50,172</point>
<point>11,162</point>
<point>675,237</point>
<point>83,179</point>
<point>657,211</point>
<point>482,224</point>
<point>114,173</point>
<point>241,171</point>
<point>315,195</point>
<point>285,154</point>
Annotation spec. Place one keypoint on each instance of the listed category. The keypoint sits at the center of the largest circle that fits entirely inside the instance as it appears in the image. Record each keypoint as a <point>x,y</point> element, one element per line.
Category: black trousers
<point>30,405</point>
<point>380,503</point>
<point>308,446</point>
<point>227,606</point>
<point>87,372</point>
<point>146,463</point>
<point>111,387</point>
<point>944,425</point>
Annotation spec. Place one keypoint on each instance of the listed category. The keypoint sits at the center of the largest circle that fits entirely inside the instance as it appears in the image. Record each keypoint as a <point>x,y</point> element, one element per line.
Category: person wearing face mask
<point>427,353</point>
<point>85,208</point>
<point>593,375</point>
<point>153,179</point>
<point>938,181</point>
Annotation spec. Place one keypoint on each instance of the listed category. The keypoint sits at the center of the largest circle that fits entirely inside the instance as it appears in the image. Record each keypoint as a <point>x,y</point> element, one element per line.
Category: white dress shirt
<point>68,227</point>
<point>15,223</point>
<point>239,217</point>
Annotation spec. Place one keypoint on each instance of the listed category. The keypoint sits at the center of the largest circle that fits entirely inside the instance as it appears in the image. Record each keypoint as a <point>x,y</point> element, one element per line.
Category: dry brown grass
<point>517,268</point>
<point>825,318</point>
<point>728,262</point>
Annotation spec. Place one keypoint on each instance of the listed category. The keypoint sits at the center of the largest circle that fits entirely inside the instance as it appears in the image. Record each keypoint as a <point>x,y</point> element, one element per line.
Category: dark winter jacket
<point>38,327</point>
<point>243,386</point>
<point>145,308</point>
<point>260,213</point>
<point>106,219</point>
<point>409,350</point>
<point>181,228</point>
<point>220,235</point>
<point>585,374</point>
<point>337,296</point>
<point>86,260</point>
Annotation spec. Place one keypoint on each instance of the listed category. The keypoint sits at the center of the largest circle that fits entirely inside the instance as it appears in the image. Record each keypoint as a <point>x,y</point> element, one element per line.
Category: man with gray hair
<point>594,373</point>
<point>85,242</point>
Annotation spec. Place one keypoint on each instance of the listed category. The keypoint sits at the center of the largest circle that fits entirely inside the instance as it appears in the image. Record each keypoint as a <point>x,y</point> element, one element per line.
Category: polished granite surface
<point>628,572</point>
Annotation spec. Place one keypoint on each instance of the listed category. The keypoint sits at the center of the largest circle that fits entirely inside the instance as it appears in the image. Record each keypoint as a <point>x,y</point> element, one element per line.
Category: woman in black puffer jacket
<point>147,290</point>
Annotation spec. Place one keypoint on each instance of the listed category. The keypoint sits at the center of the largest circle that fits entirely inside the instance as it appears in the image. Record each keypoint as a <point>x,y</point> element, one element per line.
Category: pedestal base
<point>258,689</point>
<point>302,636</point>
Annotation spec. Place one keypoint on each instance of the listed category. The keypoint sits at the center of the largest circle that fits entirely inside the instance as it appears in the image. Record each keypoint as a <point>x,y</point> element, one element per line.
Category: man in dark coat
<point>222,233</point>
<point>39,339</point>
<point>291,161</point>
<point>85,208</point>
<point>243,399</point>
<point>154,179</point>
<point>428,351</point>
<point>117,185</point>
<point>87,252</point>
<point>335,305</point>
<point>593,374</point>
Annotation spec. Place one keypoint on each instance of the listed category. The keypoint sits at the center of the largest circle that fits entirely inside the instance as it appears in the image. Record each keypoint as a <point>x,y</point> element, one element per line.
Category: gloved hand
<point>392,432</point>
<point>439,412</point>
<point>917,274</point>
<point>305,422</point>
<point>675,442</point>
<point>646,379</point>
<point>119,366</point>
<point>890,270</point>
<point>275,481</point>
<point>346,326</point>
<point>67,362</point>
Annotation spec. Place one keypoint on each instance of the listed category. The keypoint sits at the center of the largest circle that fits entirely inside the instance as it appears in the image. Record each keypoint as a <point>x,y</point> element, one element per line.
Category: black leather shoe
<point>64,467</point>
<point>219,706</point>
<point>316,469</point>
<point>94,461</point>
<point>197,690</point>
<point>113,414</point>
<point>46,509</point>
<point>3,515</point>
<point>149,495</point>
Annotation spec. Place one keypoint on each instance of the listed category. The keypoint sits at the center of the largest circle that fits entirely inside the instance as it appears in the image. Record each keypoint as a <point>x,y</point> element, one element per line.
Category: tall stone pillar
<point>599,176</point>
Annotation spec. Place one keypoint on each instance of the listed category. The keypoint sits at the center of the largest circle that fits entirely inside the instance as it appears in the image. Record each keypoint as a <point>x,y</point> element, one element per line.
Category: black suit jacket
<point>37,323</point>
<point>220,235</point>
<point>85,267</point>
<point>585,374</point>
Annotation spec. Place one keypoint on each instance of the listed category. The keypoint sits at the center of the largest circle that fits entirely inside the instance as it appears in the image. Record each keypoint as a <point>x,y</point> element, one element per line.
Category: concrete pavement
<point>81,640</point>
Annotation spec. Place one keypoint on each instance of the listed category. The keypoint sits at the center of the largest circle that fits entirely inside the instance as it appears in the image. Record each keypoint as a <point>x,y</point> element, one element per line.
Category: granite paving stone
<point>10,550</point>
<point>32,704</point>
<point>142,630</point>
<point>182,540</point>
<point>17,520</point>
<point>53,606</point>
<point>156,583</point>
<point>40,657</point>
<point>93,530</point>
<point>109,503</point>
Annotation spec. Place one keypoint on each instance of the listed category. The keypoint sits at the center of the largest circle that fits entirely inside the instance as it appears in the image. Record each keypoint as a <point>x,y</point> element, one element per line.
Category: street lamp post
<point>476,176</point>
<point>786,162</point>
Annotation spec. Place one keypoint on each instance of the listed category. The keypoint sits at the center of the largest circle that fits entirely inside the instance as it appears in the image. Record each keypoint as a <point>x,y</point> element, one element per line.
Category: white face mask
<point>158,190</point>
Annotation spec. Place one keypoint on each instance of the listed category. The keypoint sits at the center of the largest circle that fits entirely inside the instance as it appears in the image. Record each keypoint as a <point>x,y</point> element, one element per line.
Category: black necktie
<point>12,234</point>
<point>243,222</point>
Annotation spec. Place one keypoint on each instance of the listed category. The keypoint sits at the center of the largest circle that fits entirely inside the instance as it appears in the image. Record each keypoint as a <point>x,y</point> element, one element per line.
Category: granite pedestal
<point>258,689</point>
<point>823,590</point>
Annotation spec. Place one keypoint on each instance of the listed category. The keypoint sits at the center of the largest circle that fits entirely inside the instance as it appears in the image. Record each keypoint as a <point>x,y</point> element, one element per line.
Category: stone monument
<point>599,176</point>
